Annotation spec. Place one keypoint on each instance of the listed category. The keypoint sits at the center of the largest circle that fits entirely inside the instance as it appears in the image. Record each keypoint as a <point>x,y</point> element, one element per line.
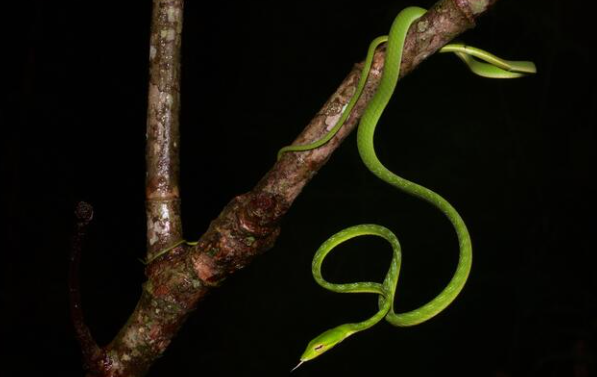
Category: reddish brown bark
<point>248,225</point>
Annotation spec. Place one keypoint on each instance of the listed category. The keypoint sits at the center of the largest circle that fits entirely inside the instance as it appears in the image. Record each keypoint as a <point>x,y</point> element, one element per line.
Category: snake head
<point>325,341</point>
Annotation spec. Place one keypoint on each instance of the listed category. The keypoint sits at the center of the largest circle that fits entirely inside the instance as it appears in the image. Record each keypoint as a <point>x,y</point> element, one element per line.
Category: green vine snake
<point>481,63</point>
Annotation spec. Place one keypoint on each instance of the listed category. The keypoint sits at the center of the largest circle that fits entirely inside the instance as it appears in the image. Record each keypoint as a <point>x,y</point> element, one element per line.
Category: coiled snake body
<point>488,66</point>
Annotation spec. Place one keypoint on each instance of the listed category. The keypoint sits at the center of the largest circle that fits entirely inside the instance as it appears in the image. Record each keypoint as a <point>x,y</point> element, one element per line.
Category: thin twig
<point>89,348</point>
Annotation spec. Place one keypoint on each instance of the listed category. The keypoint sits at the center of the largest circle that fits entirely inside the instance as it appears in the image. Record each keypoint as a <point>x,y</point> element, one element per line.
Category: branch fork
<point>249,224</point>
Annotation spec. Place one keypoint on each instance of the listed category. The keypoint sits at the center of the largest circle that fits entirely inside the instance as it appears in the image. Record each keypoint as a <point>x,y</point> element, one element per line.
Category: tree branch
<point>164,225</point>
<point>92,353</point>
<point>248,225</point>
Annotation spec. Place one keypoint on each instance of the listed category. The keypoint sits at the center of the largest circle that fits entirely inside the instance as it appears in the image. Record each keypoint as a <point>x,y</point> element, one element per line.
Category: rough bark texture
<point>248,225</point>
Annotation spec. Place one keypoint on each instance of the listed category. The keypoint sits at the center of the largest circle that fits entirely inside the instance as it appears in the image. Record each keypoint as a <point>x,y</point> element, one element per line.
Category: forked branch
<point>248,225</point>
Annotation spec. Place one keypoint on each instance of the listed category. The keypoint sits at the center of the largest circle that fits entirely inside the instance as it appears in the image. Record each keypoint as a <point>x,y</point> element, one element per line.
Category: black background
<point>515,157</point>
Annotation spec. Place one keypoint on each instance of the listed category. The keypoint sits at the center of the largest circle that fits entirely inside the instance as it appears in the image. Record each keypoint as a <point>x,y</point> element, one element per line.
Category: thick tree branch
<point>248,225</point>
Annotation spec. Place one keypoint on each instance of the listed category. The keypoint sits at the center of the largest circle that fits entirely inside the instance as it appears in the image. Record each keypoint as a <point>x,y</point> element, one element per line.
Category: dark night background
<point>516,158</point>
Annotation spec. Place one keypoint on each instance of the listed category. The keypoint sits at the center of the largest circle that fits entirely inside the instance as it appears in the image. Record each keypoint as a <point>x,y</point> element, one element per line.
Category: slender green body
<point>365,144</point>
<point>492,67</point>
